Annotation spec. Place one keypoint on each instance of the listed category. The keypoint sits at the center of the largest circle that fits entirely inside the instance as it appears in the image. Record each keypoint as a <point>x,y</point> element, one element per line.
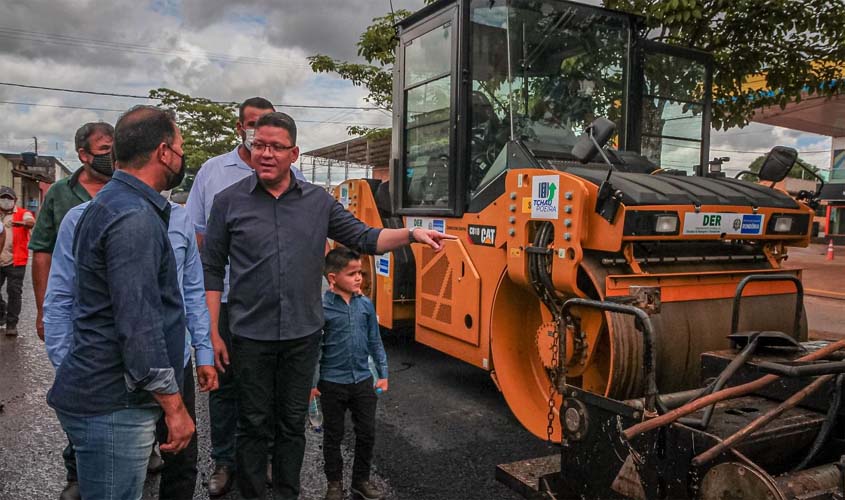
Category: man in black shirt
<point>271,229</point>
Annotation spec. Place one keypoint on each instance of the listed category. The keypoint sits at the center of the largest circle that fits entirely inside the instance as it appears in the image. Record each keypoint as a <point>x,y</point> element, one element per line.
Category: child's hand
<point>314,393</point>
<point>382,384</point>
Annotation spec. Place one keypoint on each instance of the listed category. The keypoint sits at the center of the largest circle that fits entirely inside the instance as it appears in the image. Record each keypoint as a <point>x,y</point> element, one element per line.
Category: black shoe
<point>220,481</point>
<point>11,330</point>
<point>366,490</point>
<point>334,491</point>
<point>71,491</point>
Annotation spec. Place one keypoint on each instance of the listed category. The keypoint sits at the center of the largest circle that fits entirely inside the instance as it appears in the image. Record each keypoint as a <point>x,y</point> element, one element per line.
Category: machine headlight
<point>783,224</point>
<point>666,224</point>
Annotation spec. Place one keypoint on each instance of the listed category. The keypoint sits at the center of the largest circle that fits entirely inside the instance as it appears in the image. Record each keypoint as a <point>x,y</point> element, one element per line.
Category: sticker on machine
<point>344,195</point>
<point>426,223</point>
<point>482,235</point>
<point>544,198</point>
<point>383,264</point>
<point>723,223</point>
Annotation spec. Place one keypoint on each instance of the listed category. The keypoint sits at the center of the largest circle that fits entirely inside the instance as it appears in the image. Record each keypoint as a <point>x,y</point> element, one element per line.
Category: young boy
<point>350,335</point>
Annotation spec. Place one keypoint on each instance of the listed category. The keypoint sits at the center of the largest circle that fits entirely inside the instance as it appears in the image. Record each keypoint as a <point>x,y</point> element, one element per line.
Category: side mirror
<point>594,138</point>
<point>779,161</point>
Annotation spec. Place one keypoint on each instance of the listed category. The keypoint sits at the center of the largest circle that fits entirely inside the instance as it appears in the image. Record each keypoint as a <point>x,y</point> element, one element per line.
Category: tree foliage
<point>797,44</point>
<point>206,126</point>
<point>377,46</point>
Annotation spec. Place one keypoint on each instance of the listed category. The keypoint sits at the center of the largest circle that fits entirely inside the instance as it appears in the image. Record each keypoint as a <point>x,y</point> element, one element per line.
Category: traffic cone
<point>829,255</point>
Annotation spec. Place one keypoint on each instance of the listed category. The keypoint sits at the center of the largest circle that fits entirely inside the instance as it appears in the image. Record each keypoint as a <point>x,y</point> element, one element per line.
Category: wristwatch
<point>411,234</point>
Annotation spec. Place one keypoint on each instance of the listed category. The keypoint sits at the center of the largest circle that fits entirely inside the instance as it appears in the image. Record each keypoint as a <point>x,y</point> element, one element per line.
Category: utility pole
<point>36,144</point>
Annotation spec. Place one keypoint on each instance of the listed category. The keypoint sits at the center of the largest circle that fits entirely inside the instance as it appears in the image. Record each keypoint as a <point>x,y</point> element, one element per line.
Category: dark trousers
<point>13,277</point>
<point>360,399</point>
<point>69,456</point>
<point>179,475</point>
<point>223,404</point>
<point>274,383</point>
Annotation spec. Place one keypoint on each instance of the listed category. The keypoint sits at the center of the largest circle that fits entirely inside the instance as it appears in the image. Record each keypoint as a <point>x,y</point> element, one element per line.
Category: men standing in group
<point>93,142</point>
<point>271,229</point>
<point>17,222</point>
<point>125,363</point>
<point>217,174</point>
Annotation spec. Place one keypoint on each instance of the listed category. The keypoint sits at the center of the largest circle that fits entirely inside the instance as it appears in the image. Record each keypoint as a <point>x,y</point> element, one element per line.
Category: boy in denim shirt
<point>350,336</point>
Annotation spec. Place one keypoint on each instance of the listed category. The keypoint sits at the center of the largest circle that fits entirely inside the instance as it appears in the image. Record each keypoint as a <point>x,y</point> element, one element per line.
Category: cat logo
<point>482,235</point>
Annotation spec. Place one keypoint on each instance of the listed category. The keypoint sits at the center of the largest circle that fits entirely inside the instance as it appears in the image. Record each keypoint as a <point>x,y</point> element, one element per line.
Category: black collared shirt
<point>275,248</point>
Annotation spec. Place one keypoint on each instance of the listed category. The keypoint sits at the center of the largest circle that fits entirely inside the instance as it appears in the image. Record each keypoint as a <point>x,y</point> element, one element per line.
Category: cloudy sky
<point>223,51</point>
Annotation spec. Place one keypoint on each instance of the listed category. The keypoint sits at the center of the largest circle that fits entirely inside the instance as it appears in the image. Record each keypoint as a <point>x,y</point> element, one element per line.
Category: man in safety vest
<point>17,223</point>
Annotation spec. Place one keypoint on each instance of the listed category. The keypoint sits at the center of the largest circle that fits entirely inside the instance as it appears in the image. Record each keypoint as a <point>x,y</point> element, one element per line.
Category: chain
<point>553,383</point>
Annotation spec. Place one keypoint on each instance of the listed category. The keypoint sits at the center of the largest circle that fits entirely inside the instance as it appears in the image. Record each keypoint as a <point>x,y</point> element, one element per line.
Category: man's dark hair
<point>339,258</point>
<point>254,102</point>
<point>280,120</point>
<point>84,133</point>
<point>139,131</point>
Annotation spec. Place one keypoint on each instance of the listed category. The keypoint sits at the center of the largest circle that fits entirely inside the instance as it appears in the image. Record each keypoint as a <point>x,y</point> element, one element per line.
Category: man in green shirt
<point>93,143</point>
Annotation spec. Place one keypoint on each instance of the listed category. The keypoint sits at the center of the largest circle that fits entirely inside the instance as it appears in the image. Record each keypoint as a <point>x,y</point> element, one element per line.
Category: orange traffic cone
<point>829,255</point>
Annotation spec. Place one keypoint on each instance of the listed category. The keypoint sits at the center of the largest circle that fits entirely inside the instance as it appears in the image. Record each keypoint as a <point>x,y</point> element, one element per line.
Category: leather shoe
<point>334,491</point>
<point>366,490</point>
<point>220,481</point>
<point>71,491</point>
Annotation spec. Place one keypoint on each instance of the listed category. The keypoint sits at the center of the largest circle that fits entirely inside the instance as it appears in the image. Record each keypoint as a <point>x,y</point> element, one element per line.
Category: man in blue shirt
<point>126,361</point>
<point>217,174</point>
<point>179,475</point>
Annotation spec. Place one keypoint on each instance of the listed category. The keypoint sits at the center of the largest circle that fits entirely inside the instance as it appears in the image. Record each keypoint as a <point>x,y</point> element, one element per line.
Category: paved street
<point>442,428</point>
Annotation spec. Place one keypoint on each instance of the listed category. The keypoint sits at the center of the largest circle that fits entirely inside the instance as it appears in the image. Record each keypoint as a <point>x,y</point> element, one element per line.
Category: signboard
<point>544,197</point>
<point>723,223</point>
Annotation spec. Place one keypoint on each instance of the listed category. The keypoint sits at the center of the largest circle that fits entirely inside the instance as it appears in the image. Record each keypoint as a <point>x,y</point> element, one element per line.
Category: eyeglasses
<point>276,149</point>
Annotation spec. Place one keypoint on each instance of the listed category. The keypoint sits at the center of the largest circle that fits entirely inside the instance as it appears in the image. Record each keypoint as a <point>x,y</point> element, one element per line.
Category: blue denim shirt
<point>350,335</point>
<point>58,302</point>
<point>129,321</point>
<point>215,175</point>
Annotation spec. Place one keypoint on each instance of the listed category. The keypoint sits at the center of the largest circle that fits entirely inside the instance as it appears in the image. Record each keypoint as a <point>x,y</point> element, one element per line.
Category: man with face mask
<point>93,142</point>
<point>125,363</point>
<point>217,174</point>
<point>17,222</point>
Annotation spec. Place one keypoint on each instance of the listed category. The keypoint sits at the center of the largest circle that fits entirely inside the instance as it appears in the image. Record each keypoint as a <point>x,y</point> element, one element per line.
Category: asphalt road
<point>442,428</point>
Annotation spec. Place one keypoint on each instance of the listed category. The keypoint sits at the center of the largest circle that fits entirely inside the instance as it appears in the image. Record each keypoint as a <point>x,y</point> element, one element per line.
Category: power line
<point>131,96</point>
<point>15,103</point>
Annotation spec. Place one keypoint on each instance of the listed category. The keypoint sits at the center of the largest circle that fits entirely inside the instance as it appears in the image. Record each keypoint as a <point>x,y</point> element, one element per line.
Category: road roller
<point>569,154</point>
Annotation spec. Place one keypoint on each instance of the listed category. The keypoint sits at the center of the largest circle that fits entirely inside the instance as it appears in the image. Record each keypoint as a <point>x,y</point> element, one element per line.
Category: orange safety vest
<point>20,235</point>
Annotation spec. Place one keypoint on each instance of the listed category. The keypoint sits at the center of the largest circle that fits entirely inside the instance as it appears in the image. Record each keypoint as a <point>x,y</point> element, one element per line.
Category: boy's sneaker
<point>11,330</point>
<point>366,490</point>
<point>334,491</point>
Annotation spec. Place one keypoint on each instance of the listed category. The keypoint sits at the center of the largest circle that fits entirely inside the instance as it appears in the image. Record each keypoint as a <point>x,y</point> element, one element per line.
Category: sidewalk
<point>821,277</point>
<point>824,288</point>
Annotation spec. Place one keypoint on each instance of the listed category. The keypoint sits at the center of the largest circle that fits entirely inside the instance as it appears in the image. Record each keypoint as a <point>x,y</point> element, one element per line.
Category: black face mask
<point>176,178</point>
<point>103,164</point>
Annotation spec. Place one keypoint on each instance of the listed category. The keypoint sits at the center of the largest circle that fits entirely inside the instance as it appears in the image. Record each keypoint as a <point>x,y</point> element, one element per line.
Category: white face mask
<point>7,204</point>
<point>249,136</point>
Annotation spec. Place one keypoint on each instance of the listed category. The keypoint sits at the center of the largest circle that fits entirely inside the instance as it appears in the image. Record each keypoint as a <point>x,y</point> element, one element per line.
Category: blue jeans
<point>112,451</point>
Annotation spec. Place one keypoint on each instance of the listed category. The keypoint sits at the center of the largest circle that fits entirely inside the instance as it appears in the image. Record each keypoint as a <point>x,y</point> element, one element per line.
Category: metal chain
<point>552,384</point>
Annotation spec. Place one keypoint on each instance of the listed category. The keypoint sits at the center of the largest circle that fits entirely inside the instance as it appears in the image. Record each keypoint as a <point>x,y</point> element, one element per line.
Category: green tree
<point>207,128</point>
<point>377,46</point>
<point>798,45</point>
<point>797,172</point>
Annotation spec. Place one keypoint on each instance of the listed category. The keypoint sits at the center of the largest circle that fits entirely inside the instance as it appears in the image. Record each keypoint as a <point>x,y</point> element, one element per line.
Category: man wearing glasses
<point>217,174</point>
<point>271,229</point>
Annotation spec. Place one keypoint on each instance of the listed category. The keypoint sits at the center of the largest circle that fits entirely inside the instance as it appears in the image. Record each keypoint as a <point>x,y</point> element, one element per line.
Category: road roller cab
<point>491,99</point>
